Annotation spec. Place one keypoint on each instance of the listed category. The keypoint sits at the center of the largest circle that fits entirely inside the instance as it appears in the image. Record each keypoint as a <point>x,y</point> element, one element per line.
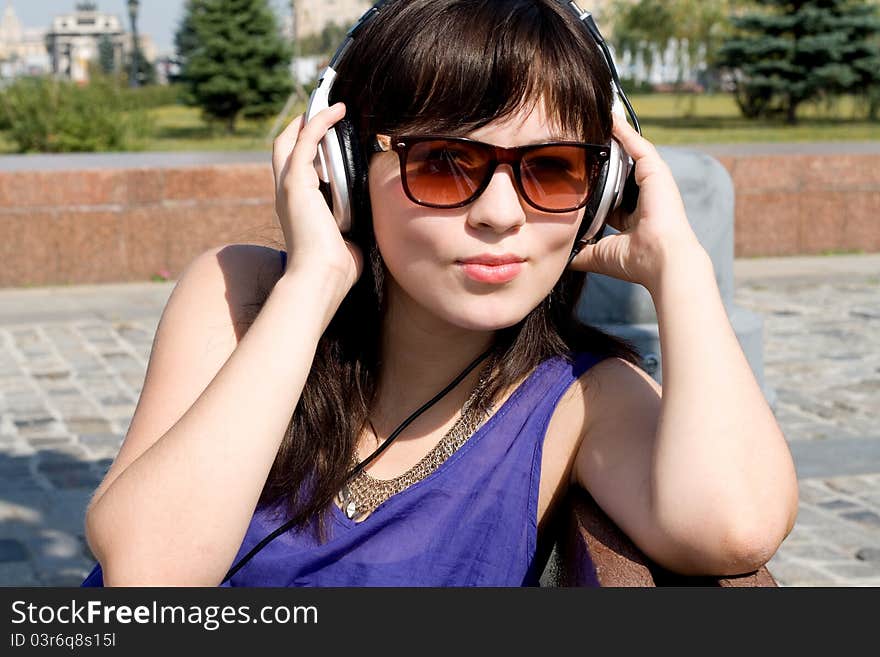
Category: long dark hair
<point>441,66</point>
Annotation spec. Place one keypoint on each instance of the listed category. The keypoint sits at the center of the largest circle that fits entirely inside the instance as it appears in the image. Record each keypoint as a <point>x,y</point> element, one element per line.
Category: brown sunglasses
<point>450,172</point>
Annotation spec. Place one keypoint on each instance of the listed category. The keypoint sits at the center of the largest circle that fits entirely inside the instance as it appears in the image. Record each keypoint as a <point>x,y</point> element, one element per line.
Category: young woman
<point>239,464</point>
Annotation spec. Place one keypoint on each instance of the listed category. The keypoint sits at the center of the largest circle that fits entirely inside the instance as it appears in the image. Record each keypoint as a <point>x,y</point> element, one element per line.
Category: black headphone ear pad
<point>356,168</point>
<point>595,201</point>
<point>630,192</point>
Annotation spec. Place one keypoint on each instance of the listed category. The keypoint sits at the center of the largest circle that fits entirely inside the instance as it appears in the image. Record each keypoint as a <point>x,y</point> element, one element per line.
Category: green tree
<point>145,69</point>
<point>645,28</point>
<point>234,61</point>
<point>789,52</point>
<point>325,42</point>
<point>106,55</point>
<point>185,39</point>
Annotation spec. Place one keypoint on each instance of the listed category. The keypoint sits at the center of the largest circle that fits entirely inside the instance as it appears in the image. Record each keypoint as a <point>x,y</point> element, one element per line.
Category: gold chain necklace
<point>362,493</point>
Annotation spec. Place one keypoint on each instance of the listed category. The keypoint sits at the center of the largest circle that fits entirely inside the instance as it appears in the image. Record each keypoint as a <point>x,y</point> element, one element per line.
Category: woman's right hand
<point>313,239</point>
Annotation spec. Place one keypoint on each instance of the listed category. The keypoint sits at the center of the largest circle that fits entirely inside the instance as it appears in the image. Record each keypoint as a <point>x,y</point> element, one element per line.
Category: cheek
<point>394,214</point>
<point>415,249</point>
<point>553,242</point>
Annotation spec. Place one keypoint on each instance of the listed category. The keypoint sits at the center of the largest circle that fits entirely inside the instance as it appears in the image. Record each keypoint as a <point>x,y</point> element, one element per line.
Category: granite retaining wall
<point>95,219</point>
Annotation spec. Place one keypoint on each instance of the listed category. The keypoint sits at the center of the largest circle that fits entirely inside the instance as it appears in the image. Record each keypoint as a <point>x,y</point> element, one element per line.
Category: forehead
<point>527,125</point>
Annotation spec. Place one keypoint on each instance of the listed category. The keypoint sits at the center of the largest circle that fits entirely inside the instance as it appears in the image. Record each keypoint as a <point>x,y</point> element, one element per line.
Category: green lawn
<point>666,119</point>
<point>715,119</point>
<point>179,128</point>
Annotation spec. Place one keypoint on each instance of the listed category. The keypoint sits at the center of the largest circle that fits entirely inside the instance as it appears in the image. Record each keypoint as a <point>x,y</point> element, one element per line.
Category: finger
<point>633,143</point>
<point>284,142</point>
<point>648,162</point>
<point>306,148</point>
<point>357,256</point>
<point>603,256</point>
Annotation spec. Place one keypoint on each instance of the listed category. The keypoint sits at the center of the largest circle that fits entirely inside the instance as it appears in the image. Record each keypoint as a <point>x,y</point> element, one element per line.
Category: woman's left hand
<point>656,234</point>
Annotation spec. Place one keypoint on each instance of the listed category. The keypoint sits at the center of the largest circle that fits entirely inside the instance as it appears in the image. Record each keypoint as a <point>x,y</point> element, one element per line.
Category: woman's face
<point>423,248</point>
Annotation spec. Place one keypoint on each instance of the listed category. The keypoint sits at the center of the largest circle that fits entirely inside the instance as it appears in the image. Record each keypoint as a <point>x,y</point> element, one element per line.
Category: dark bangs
<point>473,63</point>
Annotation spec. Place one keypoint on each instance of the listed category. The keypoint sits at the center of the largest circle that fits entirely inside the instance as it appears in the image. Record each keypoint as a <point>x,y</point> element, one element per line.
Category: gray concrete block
<point>627,310</point>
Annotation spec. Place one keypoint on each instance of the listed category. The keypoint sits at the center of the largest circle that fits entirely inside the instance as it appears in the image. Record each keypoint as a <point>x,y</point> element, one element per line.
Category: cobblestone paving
<point>69,383</point>
<point>822,357</point>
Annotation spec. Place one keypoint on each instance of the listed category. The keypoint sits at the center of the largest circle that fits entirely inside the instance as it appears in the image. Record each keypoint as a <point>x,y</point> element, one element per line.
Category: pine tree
<point>788,52</point>
<point>234,61</point>
<point>185,39</point>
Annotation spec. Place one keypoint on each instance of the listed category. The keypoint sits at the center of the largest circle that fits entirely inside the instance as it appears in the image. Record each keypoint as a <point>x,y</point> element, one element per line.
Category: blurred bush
<point>634,86</point>
<point>45,115</point>
<point>152,96</point>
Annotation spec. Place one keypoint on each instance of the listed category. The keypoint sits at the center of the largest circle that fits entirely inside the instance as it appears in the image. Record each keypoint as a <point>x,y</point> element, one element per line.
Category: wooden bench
<point>593,551</point>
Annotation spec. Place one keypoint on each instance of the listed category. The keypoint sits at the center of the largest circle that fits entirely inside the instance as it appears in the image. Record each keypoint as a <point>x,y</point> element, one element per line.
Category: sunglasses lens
<point>449,173</point>
<point>558,177</point>
<point>445,172</point>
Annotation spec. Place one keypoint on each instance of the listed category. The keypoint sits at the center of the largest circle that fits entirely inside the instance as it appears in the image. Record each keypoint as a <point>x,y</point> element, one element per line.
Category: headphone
<point>342,167</point>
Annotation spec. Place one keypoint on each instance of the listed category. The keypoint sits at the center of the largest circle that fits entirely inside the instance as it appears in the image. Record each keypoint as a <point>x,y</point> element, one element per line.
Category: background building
<point>311,16</point>
<point>22,49</point>
<point>73,41</point>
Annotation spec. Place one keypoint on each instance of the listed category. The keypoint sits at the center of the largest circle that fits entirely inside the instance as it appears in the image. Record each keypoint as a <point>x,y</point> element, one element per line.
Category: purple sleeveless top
<point>471,522</point>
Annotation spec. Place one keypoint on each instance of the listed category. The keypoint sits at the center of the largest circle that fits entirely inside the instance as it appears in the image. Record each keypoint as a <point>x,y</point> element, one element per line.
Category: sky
<point>158,18</point>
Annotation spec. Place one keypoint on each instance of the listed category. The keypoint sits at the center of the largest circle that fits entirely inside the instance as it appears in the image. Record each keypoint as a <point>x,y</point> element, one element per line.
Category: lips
<point>493,269</point>
<point>492,260</point>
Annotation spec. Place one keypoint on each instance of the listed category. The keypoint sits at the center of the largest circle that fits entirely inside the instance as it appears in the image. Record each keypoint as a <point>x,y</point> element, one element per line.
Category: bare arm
<point>701,478</point>
<point>174,509</point>
<point>721,460</point>
<point>176,504</point>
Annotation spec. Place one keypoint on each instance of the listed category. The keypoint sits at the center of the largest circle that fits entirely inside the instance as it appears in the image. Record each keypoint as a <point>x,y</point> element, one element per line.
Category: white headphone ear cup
<point>605,197</point>
<point>336,170</point>
<point>330,161</point>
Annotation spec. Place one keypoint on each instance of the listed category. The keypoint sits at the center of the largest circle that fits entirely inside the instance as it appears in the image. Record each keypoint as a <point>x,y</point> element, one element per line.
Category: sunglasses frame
<point>500,155</point>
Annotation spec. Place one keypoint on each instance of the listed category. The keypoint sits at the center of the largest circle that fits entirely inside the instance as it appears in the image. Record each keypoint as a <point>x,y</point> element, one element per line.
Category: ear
<point>384,142</point>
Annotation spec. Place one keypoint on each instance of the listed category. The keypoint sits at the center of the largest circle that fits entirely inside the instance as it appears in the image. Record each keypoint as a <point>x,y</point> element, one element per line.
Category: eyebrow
<point>556,138</point>
<point>547,140</point>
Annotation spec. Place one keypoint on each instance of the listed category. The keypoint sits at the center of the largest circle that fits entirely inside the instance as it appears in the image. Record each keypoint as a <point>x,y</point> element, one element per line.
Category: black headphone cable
<point>287,525</point>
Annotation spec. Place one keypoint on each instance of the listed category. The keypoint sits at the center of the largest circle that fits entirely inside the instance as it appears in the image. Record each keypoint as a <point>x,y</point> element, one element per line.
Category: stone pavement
<point>72,361</point>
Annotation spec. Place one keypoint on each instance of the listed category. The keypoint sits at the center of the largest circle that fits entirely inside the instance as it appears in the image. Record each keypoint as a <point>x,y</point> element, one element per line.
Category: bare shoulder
<point>616,406</point>
<point>210,309</point>
<point>231,280</point>
<point>614,381</point>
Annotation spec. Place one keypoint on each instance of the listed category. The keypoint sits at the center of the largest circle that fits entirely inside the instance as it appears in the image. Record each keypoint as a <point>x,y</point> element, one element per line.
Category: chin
<point>482,314</point>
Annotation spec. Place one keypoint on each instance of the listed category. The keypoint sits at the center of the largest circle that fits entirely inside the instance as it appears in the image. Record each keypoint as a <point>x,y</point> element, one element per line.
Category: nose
<point>499,207</point>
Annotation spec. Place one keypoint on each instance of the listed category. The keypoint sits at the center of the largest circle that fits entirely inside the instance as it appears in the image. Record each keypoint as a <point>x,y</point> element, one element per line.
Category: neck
<point>420,356</point>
